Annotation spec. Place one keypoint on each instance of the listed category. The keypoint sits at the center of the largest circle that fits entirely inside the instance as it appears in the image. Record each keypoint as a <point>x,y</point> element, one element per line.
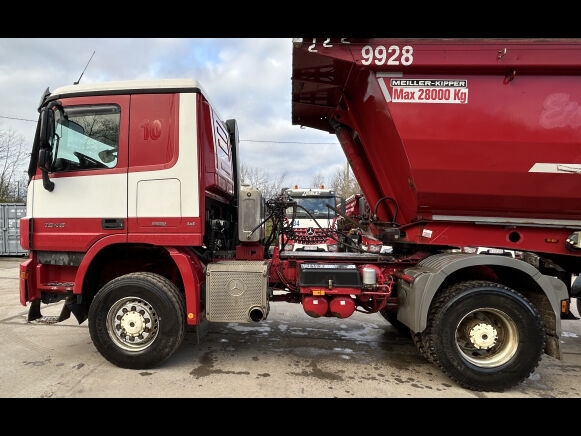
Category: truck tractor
<point>313,219</point>
<point>136,217</point>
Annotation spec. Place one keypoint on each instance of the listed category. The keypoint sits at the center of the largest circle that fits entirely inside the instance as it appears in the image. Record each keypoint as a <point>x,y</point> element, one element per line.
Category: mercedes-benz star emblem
<point>236,287</point>
<point>310,231</point>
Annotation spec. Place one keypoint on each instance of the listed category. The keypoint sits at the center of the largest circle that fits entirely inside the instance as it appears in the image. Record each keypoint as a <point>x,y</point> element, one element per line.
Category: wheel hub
<point>132,324</point>
<point>487,337</point>
<point>483,336</point>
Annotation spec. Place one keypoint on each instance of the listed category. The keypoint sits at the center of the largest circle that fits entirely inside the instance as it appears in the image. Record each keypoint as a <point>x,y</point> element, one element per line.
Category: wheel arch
<point>180,265</point>
<point>118,259</point>
<point>440,271</point>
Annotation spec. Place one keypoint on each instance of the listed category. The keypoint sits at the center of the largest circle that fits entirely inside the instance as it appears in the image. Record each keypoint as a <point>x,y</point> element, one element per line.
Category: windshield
<point>315,205</point>
<point>88,138</point>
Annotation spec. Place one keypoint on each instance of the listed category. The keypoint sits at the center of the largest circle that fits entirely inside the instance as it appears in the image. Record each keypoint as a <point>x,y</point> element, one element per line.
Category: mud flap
<point>552,346</point>
<point>70,306</point>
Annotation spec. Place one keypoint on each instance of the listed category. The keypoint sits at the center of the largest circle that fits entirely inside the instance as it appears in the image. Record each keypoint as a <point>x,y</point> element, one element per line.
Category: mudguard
<point>414,298</point>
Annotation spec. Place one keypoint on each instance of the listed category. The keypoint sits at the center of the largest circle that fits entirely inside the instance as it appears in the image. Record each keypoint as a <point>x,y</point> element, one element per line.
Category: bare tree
<point>318,180</point>
<point>101,127</point>
<point>12,162</point>
<point>344,182</point>
<point>269,186</point>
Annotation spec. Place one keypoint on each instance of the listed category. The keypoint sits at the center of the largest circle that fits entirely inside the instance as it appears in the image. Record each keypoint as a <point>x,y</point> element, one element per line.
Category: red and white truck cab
<point>133,172</point>
<point>313,221</point>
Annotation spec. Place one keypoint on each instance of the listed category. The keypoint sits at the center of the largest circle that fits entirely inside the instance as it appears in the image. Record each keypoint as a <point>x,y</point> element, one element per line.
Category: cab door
<point>89,170</point>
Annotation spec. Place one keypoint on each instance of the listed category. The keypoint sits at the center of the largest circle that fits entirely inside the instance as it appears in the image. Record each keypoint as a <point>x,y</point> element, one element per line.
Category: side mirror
<point>107,156</point>
<point>46,133</point>
<point>46,126</point>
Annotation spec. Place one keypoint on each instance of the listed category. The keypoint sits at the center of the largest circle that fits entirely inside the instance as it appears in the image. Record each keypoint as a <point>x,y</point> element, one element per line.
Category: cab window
<point>86,138</point>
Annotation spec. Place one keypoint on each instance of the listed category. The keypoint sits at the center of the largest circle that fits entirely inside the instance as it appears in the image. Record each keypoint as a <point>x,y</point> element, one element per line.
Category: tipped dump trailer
<point>454,132</point>
<point>136,217</point>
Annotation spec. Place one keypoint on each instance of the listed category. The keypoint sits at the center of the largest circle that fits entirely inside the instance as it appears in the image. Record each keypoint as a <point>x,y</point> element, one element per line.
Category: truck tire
<point>391,317</point>
<point>483,335</point>
<point>137,320</point>
<point>420,343</point>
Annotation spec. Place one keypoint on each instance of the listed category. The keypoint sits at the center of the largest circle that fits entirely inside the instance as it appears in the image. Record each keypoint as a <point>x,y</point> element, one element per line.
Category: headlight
<point>374,248</point>
<point>288,247</point>
<point>332,247</point>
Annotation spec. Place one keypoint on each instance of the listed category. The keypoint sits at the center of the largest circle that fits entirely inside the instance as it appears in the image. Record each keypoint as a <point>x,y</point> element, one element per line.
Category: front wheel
<point>484,335</point>
<point>137,320</point>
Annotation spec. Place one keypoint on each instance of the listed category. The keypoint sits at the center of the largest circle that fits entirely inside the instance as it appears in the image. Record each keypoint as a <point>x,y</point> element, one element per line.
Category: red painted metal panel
<point>192,274</point>
<point>48,275</point>
<point>536,239</point>
<point>24,233</point>
<point>90,255</point>
<point>175,239</point>
<point>153,132</point>
<point>69,234</point>
<point>161,225</point>
<point>474,158</point>
<point>452,127</point>
<point>214,142</point>
<point>26,279</point>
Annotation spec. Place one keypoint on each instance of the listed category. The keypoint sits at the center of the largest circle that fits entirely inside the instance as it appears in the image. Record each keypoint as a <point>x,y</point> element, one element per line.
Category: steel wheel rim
<point>487,337</point>
<point>132,324</point>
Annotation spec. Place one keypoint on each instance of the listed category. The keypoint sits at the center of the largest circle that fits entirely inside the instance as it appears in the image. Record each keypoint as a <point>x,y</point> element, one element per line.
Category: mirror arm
<point>45,147</point>
<point>46,182</point>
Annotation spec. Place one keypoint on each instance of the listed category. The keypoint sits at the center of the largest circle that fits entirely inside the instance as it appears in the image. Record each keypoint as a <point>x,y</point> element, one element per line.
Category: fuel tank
<point>451,129</point>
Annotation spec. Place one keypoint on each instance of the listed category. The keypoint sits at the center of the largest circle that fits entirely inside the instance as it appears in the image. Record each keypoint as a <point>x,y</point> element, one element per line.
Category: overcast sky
<point>246,79</point>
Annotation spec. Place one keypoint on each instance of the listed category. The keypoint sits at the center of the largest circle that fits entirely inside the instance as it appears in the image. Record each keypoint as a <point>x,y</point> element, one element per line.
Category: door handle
<point>113,223</point>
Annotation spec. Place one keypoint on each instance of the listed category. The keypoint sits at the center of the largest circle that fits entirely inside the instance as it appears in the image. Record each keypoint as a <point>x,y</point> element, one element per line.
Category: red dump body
<point>455,131</point>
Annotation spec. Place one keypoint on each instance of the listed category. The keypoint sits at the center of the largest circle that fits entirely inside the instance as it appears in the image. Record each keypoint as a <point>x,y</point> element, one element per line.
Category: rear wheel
<point>420,343</point>
<point>137,320</point>
<point>391,317</point>
<point>484,335</point>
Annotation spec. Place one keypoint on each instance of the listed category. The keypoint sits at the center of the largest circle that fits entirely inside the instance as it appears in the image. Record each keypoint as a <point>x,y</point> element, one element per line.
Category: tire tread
<point>169,289</point>
<point>429,336</point>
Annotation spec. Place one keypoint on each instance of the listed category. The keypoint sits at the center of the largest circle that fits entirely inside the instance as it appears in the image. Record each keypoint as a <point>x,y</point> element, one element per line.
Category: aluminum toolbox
<point>234,289</point>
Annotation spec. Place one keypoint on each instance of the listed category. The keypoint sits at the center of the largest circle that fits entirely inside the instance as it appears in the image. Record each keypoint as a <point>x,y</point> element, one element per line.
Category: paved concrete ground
<point>289,355</point>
